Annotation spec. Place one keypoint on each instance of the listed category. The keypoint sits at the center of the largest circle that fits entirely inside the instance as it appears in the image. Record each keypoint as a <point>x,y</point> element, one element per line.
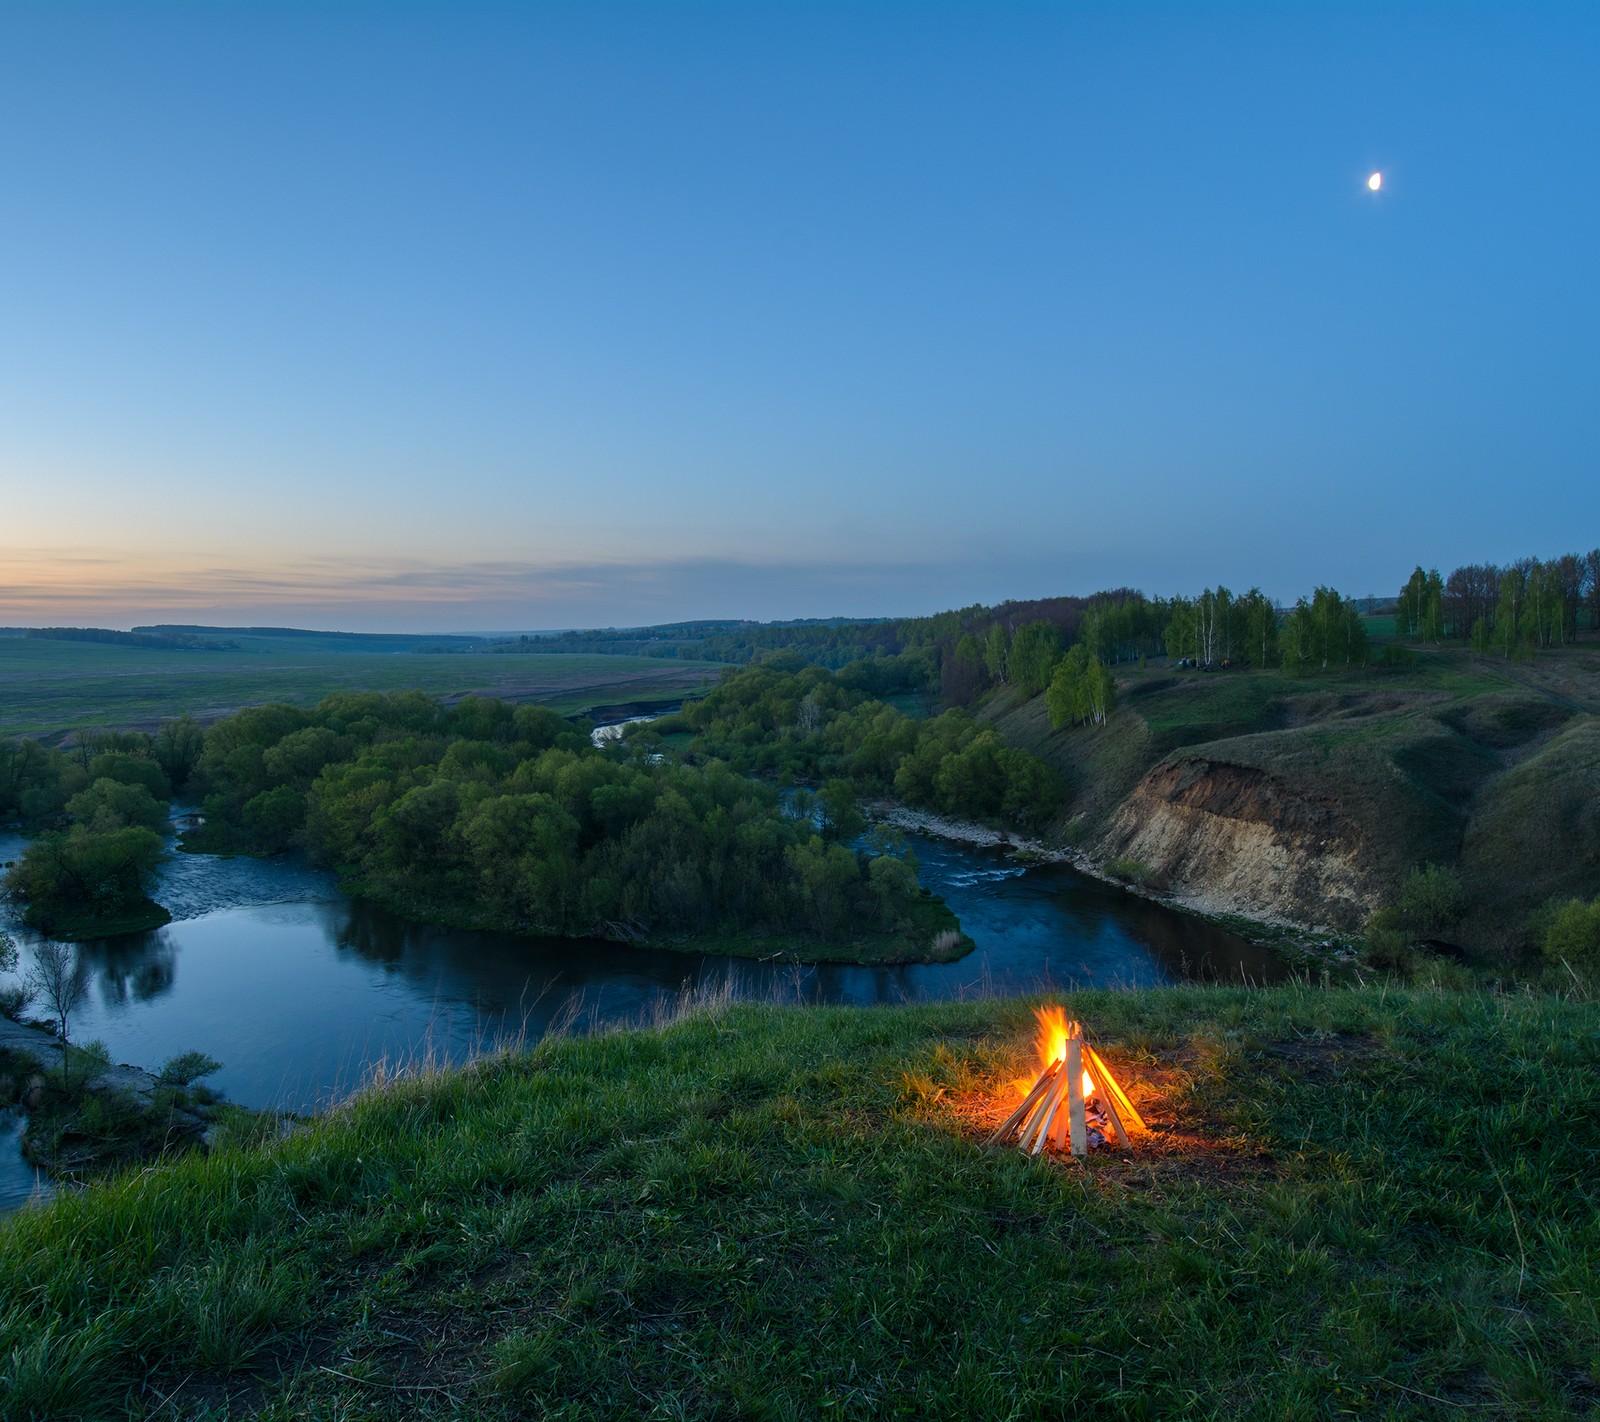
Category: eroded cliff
<point>1229,838</point>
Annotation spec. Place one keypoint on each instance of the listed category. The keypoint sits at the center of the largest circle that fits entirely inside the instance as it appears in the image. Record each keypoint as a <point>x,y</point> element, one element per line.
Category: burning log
<point>1075,1101</point>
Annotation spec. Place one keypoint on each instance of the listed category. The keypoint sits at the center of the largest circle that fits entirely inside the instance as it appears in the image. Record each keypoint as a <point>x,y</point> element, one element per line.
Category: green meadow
<point>1376,1203</point>
<point>49,687</point>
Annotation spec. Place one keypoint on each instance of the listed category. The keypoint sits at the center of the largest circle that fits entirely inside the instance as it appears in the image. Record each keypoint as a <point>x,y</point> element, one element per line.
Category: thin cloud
<point>77,586</point>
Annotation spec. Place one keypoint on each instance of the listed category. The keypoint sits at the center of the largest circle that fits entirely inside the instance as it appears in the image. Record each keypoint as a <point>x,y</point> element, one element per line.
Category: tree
<point>177,747</point>
<point>1081,691</point>
<point>1432,629</point>
<point>112,805</point>
<point>962,672</point>
<point>1260,625</point>
<point>1182,625</point>
<point>1570,574</point>
<point>12,998</point>
<point>1469,596</point>
<point>86,872</point>
<point>1510,611</point>
<point>1431,899</point>
<point>997,652</point>
<point>59,981</point>
<point>1033,656</point>
<point>1297,638</point>
<point>841,818</point>
<point>1408,606</point>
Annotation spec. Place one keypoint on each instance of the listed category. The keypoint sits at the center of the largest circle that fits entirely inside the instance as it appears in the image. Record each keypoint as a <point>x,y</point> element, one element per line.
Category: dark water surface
<point>299,990</point>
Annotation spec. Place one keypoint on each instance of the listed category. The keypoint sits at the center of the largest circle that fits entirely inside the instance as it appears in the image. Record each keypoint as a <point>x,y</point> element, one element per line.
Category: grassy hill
<point>1489,766</point>
<point>1372,1203</point>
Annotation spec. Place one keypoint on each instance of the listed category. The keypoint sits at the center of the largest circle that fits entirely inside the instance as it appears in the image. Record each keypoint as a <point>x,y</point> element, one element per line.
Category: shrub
<point>1431,899</point>
<point>1388,948</point>
<point>1573,935</point>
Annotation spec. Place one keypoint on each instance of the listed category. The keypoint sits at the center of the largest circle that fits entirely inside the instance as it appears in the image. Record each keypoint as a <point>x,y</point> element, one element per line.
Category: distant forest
<point>1066,644</point>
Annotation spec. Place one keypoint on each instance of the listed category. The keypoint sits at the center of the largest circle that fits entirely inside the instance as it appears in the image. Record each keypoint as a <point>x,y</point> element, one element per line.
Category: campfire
<point>1074,1101</point>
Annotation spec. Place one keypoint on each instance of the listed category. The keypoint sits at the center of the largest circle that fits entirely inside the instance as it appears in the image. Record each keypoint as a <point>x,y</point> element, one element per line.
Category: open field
<point>47,687</point>
<point>1370,1203</point>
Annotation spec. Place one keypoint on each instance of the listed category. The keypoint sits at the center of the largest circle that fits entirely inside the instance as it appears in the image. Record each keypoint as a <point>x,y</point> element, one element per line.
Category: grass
<point>49,687</point>
<point>1355,1203</point>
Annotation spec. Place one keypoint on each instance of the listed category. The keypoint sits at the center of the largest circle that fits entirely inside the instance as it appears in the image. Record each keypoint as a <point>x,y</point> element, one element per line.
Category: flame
<point>1054,1032</point>
<point>1054,1029</point>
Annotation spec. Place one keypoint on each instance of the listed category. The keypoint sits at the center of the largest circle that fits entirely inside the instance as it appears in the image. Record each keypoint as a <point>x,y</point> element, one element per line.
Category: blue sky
<point>514,316</point>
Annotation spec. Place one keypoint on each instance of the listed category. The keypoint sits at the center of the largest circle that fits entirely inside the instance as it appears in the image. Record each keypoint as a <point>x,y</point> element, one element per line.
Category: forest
<point>490,815</point>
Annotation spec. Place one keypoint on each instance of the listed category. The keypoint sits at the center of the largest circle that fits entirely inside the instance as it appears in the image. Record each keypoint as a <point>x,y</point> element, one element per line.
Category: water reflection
<point>298,991</point>
<point>137,967</point>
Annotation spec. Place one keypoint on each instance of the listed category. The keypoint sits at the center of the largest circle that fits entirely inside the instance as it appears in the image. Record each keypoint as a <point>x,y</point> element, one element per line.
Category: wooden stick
<point>1111,1111</point>
<point>1058,1130</point>
<point>1009,1124</point>
<point>1052,1102</point>
<point>1080,1127</point>
<point>1125,1108</point>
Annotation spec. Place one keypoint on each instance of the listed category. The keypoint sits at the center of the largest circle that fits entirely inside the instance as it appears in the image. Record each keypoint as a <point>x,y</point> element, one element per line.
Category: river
<point>300,991</point>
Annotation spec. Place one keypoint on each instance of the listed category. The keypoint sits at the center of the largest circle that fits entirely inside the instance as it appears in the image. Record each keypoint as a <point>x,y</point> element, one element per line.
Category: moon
<point>1375,182</point>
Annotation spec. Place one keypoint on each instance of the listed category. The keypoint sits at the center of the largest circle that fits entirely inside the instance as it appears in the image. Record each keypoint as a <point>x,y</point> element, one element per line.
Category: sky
<point>480,316</point>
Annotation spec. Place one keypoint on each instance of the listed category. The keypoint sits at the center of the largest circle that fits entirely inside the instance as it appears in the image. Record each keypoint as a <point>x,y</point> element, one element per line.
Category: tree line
<point>1504,610</point>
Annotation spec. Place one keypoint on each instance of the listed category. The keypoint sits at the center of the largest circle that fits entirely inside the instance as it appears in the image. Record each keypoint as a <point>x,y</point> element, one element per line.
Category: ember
<point>1074,1101</point>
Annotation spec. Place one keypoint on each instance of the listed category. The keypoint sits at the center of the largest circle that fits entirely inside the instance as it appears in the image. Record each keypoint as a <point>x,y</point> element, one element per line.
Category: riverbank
<point>764,1211</point>
<point>86,1115</point>
<point>1300,946</point>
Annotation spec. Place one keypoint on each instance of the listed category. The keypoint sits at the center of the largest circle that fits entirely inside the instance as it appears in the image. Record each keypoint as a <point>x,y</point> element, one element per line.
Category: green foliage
<point>1573,935</point>
<point>36,781</point>
<point>1033,656</point>
<point>1431,899</point>
<point>1081,690</point>
<point>1388,948</point>
<point>1325,633</point>
<point>187,1068</point>
<point>127,769</point>
<point>112,805</point>
<point>964,673</point>
<point>1130,871</point>
<point>997,653</point>
<point>177,747</point>
<point>85,873</point>
<point>807,725</point>
<point>498,816</point>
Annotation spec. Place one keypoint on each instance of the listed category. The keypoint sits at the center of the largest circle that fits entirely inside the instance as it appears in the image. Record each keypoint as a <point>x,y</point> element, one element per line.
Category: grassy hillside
<point>49,686</point>
<point>1490,766</point>
<point>1365,1203</point>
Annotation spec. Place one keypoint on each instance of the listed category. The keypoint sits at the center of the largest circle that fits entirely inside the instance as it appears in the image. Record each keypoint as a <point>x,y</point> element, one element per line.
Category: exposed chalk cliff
<point>1229,838</point>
